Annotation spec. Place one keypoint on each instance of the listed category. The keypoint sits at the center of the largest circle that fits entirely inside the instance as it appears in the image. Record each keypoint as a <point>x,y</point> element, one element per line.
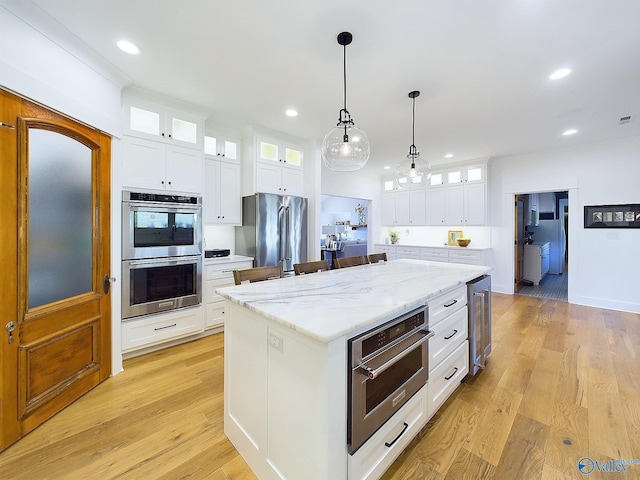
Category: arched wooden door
<point>55,341</point>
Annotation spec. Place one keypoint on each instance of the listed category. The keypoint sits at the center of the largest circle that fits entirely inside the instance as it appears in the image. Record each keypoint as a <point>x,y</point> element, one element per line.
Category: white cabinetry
<point>435,254</point>
<point>156,165</point>
<point>404,207</point>
<point>218,274</point>
<point>390,250</point>
<point>536,262</point>
<point>279,167</point>
<point>154,121</point>
<point>162,148</point>
<point>448,348</point>
<point>458,196</point>
<point>152,330</point>
<point>221,202</point>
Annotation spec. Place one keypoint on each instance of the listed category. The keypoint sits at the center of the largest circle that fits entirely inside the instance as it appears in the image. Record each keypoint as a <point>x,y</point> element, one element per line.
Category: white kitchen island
<point>285,406</point>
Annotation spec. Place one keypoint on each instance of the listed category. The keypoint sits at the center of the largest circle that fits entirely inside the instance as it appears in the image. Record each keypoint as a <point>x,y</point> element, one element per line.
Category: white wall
<point>34,66</point>
<point>603,263</point>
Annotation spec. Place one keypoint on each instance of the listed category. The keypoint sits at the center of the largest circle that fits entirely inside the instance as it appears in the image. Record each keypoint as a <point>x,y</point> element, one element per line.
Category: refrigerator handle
<point>281,232</point>
<point>480,322</point>
<point>287,234</point>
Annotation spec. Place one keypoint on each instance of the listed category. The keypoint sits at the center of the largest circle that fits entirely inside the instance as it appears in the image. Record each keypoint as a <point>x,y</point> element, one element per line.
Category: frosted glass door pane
<point>60,232</point>
<point>269,151</point>
<point>454,177</point>
<point>230,150</point>
<point>293,157</point>
<point>184,131</point>
<point>210,145</point>
<point>474,175</point>
<point>436,179</point>
<point>145,121</point>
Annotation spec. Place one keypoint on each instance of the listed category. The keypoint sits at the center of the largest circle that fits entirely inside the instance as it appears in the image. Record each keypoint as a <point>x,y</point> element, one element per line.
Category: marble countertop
<point>329,305</point>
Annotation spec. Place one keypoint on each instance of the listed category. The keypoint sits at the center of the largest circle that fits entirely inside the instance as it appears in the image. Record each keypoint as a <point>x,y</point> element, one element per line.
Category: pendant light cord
<point>344,75</point>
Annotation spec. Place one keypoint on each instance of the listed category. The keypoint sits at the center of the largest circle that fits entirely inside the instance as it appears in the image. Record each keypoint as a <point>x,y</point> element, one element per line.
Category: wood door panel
<point>53,362</point>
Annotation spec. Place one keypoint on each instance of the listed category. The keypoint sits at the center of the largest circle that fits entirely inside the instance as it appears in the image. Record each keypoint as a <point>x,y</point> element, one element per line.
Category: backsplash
<point>437,236</point>
<point>219,237</point>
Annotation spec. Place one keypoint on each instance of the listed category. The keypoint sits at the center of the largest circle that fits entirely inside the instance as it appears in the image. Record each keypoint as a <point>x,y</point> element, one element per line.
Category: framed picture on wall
<point>612,216</point>
<point>453,234</point>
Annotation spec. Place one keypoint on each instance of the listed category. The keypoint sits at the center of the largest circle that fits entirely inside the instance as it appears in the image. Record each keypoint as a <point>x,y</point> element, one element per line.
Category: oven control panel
<point>383,337</point>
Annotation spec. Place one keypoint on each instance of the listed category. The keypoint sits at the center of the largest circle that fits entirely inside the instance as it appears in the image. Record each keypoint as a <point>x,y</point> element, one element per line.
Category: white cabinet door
<point>389,208</point>
<point>435,205</point>
<point>292,182</point>
<point>474,204</point>
<point>269,178</point>
<point>184,169</point>
<point>221,202</point>
<point>143,163</point>
<point>403,207</point>
<point>454,205</point>
<point>418,207</point>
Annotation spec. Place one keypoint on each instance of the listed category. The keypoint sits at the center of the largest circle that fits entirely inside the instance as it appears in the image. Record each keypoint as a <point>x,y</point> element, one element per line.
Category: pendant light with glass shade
<point>413,172</point>
<point>346,147</point>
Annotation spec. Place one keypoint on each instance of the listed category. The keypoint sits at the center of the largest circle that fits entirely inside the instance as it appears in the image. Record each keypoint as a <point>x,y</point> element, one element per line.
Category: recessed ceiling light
<point>571,131</point>
<point>387,167</point>
<point>560,73</point>
<point>291,113</point>
<point>128,47</point>
<point>448,155</point>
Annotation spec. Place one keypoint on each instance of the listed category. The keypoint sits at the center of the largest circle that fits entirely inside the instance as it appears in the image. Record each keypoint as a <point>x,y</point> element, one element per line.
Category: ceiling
<point>482,67</point>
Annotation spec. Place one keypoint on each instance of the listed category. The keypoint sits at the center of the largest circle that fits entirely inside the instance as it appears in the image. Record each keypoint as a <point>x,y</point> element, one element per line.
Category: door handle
<point>106,283</point>
<point>10,327</point>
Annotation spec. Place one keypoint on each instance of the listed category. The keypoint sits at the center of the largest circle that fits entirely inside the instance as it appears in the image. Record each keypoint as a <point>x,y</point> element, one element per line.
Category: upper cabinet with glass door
<point>159,122</point>
<point>458,175</point>
<point>270,150</point>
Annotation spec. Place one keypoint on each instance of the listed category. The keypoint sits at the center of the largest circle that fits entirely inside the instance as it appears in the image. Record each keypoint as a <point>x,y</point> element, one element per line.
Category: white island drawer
<point>376,455</point>
<point>449,333</point>
<point>446,377</point>
<point>444,305</point>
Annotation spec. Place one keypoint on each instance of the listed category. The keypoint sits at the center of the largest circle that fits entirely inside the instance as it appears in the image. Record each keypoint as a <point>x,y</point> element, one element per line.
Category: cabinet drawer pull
<point>455,369</point>
<point>453,302</point>
<point>406,425</point>
<point>167,326</point>
<point>450,336</point>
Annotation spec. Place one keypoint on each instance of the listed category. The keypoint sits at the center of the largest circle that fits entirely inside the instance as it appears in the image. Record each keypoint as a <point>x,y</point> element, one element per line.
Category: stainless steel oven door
<point>159,285</point>
<point>382,384</point>
<point>156,230</point>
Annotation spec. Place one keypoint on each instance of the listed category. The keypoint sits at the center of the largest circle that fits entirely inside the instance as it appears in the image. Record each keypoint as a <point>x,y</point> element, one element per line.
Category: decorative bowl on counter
<point>462,241</point>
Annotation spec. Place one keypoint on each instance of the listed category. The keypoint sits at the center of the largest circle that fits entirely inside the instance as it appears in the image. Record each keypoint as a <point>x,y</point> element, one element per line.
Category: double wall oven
<point>388,365</point>
<point>161,252</point>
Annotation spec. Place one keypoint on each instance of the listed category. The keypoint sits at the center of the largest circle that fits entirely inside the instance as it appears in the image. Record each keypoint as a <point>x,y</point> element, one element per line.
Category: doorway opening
<point>541,240</point>
<point>345,231</point>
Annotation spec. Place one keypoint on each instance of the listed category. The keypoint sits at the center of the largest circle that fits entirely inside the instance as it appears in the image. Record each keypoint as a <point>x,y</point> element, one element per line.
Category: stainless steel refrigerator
<point>274,230</point>
<point>479,312</point>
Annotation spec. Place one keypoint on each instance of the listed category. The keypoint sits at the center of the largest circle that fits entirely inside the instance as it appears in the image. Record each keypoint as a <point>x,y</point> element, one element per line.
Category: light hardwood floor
<point>562,383</point>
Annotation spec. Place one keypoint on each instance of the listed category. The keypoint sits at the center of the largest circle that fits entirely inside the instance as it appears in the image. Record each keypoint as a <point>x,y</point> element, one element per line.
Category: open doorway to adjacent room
<point>541,244</point>
<point>345,231</point>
